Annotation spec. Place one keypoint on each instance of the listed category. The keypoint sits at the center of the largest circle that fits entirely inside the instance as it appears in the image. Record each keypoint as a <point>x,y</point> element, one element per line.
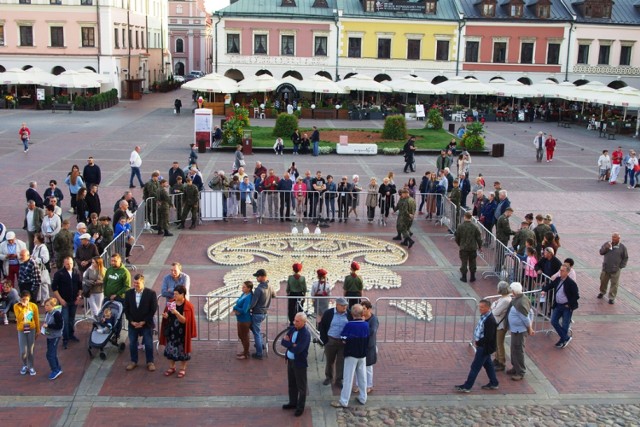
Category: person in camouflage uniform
<point>455,196</point>
<point>163,201</point>
<point>190,202</point>
<point>503,229</point>
<point>469,242</point>
<point>521,237</point>
<point>150,189</point>
<point>406,208</point>
<point>63,244</point>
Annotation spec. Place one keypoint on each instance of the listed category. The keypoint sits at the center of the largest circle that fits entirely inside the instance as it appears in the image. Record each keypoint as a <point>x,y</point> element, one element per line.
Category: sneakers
<point>566,343</point>
<point>131,366</point>
<point>560,344</point>
<point>490,387</point>
<point>517,377</point>
<point>327,381</point>
<point>337,404</point>
<point>611,301</point>
<point>511,371</point>
<point>6,321</point>
<point>24,370</point>
<point>55,374</point>
<point>600,295</point>
<point>256,356</point>
<point>32,371</point>
<point>461,389</point>
<point>151,367</point>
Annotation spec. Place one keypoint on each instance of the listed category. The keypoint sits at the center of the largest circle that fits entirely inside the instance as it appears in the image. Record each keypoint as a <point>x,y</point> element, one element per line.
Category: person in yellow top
<point>28,320</point>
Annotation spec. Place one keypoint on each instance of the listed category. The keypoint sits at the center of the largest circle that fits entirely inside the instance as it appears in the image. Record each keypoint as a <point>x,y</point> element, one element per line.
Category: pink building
<point>190,37</point>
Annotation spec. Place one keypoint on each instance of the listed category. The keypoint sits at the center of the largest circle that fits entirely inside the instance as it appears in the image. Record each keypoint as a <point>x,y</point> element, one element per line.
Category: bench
<point>68,107</point>
<point>611,134</point>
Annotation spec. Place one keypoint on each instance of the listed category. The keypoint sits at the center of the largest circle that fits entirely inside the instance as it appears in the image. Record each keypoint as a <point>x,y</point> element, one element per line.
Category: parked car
<point>179,79</point>
<point>197,73</point>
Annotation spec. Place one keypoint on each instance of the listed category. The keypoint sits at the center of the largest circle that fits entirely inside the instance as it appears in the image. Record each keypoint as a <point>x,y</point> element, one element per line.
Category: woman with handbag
<point>238,160</point>
<point>176,331</point>
<point>93,284</point>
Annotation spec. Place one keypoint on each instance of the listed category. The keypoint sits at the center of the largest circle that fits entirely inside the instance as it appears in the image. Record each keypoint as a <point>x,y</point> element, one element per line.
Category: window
<point>472,51</point>
<point>179,46</point>
<point>55,1</point>
<point>1,35</point>
<point>179,9</point>
<point>603,55</point>
<point>369,6</point>
<point>488,8</point>
<point>86,2</point>
<point>442,50</point>
<point>137,40</point>
<point>553,53</point>
<point>526,53</point>
<point>57,37</point>
<point>625,54</point>
<point>26,35</point>
<point>116,40</point>
<point>355,47</point>
<point>413,49</point>
<point>320,46</point>
<point>233,43</point>
<point>384,48</point>
<point>516,10</point>
<point>288,45</point>
<point>142,39</point>
<point>124,41</point>
<point>260,44</point>
<point>130,39</point>
<point>583,54</point>
<point>500,52</point>
<point>25,1</point>
<point>430,7</point>
<point>88,37</point>
<point>543,11</point>
<point>597,9</point>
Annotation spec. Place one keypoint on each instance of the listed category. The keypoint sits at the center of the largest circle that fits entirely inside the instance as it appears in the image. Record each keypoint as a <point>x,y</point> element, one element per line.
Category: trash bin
<point>202,146</point>
<point>497,150</point>
<point>452,128</point>
<point>247,142</point>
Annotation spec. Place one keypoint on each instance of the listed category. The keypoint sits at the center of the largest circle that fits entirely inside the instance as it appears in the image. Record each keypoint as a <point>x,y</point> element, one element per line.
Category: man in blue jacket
<point>297,341</point>
<point>565,300</point>
<point>356,340</point>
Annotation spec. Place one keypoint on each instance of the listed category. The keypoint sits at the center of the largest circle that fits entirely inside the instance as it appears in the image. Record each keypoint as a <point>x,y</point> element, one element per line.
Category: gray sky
<point>213,5</point>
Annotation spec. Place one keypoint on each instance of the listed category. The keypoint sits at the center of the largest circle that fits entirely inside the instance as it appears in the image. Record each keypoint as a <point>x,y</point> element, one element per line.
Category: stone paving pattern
<point>592,382</point>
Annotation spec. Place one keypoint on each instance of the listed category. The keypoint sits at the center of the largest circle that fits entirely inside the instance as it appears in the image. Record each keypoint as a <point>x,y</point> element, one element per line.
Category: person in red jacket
<point>616,161</point>
<point>25,136</point>
<point>550,145</point>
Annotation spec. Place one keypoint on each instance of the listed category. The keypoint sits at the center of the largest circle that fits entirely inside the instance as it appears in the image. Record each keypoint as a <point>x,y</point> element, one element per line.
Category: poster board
<point>203,125</point>
<point>419,111</point>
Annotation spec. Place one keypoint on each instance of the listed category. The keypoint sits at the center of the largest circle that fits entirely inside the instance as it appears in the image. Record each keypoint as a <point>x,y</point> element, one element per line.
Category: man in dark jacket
<point>66,286</point>
<point>91,173</point>
<point>260,302</point>
<point>484,337</point>
<point>297,341</point>
<point>140,306</point>
<point>549,264</point>
<point>330,328</point>
<point>469,242</point>
<point>565,300</point>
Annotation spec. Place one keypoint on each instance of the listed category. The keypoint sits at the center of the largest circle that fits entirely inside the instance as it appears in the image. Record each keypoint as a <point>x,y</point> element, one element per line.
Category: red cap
<point>297,267</point>
<point>322,272</point>
<point>355,266</point>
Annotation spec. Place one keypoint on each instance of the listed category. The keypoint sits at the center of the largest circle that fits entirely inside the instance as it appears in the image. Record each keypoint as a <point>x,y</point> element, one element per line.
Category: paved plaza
<point>594,381</point>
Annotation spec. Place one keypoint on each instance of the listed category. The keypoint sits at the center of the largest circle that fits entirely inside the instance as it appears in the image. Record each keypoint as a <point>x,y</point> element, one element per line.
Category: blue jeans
<point>564,312</point>
<point>632,177</point>
<point>331,207</point>
<point>25,144</point>
<point>52,354</point>
<point>147,340</point>
<point>135,171</point>
<point>316,148</point>
<point>481,359</point>
<point>69,319</point>
<point>256,320</point>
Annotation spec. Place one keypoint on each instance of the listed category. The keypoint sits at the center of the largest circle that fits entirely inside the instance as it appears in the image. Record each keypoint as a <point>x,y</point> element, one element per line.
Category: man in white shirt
<point>135,161</point>
<point>51,225</point>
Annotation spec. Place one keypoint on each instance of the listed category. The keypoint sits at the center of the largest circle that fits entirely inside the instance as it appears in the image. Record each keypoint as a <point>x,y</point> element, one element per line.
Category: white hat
<point>516,287</point>
<point>85,236</point>
<point>11,235</point>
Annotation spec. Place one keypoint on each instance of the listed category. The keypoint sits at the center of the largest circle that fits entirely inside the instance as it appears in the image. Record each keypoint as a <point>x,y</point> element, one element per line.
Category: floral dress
<point>175,335</point>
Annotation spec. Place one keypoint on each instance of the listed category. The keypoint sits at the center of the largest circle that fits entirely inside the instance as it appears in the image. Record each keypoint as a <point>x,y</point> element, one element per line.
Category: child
<point>530,268</point>
<point>28,320</point>
<point>8,299</point>
<point>52,329</point>
<point>107,322</point>
<point>278,147</point>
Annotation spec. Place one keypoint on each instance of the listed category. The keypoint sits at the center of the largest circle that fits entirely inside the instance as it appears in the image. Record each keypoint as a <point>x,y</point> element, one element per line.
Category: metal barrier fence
<point>426,320</point>
<point>117,245</point>
<point>138,224</point>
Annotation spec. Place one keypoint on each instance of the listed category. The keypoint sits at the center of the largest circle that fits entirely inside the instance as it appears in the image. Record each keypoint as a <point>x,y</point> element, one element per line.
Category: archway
<point>2,69</point>
<point>349,75</point>
<point>492,79</point>
<point>234,74</point>
<point>57,70</point>
<point>617,84</point>
<point>324,74</point>
<point>581,82</point>
<point>294,74</point>
<point>552,79</point>
<point>179,69</point>
<point>525,81</point>
<point>382,78</point>
<point>438,79</point>
<point>286,92</point>
<point>261,72</point>
<point>91,68</point>
<point>471,77</point>
<point>26,67</point>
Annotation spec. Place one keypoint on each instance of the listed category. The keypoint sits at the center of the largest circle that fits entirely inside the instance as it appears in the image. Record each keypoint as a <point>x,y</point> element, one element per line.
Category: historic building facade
<point>190,37</point>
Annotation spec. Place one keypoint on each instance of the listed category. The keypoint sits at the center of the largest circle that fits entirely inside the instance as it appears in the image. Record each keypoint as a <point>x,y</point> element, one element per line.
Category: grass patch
<point>426,138</point>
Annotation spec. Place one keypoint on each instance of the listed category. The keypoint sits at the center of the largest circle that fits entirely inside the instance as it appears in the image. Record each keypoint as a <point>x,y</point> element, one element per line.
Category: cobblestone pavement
<point>594,381</point>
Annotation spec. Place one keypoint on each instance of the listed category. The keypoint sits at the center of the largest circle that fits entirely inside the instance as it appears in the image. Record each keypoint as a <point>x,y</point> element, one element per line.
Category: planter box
<point>324,114</point>
<point>376,115</point>
<point>410,116</point>
<point>490,117</point>
<point>306,113</point>
<point>343,114</point>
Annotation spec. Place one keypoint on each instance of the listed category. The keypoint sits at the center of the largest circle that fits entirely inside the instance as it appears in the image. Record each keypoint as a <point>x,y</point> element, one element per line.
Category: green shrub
<point>434,119</point>
<point>236,123</point>
<point>325,149</point>
<point>395,127</point>
<point>391,151</point>
<point>285,125</point>
<point>472,139</point>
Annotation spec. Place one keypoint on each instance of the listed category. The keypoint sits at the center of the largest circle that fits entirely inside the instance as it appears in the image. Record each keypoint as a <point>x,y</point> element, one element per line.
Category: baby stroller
<point>101,335</point>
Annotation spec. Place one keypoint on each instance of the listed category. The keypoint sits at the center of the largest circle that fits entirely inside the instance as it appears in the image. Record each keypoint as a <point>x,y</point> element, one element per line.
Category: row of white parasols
<point>80,79</point>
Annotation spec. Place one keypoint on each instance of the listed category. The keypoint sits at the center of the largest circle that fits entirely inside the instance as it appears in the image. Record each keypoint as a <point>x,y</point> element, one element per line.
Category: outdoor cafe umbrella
<point>74,80</point>
<point>363,83</point>
<point>17,76</point>
<point>263,83</point>
<point>40,75</point>
<point>93,75</point>
<point>315,84</point>
<point>460,86</point>
<point>414,84</point>
<point>514,89</point>
<point>212,83</point>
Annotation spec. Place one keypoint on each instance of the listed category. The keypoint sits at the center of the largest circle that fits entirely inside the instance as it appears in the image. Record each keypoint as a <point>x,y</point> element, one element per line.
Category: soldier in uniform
<point>521,237</point>
<point>163,201</point>
<point>190,201</point>
<point>503,229</point>
<point>469,242</point>
<point>353,285</point>
<point>456,196</point>
<point>63,244</point>
<point>150,189</point>
<point>406,207</point>
<point>541,229</point>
